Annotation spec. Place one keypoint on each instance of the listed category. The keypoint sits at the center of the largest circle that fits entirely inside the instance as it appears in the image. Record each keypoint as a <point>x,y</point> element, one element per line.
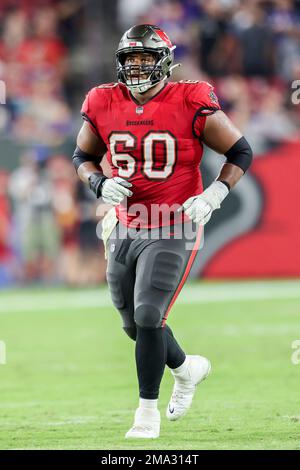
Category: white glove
<point>109,222</point>
<point>115,189</point>
<point>199,208</point>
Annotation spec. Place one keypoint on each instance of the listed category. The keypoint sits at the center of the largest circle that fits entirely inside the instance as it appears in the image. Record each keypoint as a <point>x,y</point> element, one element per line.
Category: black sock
<point>150,355</point>
<point>175,355</point>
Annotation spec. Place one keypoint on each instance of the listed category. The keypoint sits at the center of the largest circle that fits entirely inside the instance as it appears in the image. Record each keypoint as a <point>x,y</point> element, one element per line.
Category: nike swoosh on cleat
<point>171,410</point>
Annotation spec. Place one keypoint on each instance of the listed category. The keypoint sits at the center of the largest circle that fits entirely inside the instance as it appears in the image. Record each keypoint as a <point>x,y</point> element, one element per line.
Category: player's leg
<point>164,267</point>
<point>120,275</point>
<point>165,351</point>
<point>121,280</point>
<point>193,369</point>
<point>159,270</point>
<point>175,354</point>
<point>154,293</point>
<point>164,347</point>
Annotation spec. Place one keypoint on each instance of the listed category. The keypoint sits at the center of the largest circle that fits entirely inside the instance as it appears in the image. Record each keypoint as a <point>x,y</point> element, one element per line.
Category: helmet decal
<point>164,37</point>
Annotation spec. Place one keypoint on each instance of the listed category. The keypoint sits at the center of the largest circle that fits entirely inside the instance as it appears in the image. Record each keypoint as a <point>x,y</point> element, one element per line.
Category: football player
<point>152,131</point>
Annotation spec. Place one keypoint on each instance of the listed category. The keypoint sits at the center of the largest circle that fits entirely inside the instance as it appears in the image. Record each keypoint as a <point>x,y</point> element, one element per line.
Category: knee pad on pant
<point>147,316</point>
<point>130,331</point>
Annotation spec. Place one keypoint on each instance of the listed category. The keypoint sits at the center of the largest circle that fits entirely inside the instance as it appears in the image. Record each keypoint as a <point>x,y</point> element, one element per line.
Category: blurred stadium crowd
<point>52,52</point>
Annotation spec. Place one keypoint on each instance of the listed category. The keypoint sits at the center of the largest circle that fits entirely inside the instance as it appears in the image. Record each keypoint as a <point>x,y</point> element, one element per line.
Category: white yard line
<point>215,292</point>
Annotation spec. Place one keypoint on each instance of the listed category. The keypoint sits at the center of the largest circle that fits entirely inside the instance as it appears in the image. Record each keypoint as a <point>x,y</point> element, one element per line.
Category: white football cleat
<point>198,368</point>
<point>146,424</point>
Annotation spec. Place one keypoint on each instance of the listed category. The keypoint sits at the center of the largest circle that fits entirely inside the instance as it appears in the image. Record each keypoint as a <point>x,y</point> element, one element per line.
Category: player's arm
<point>88,153</point>
<point>221,135</point>
<point>87,158</point>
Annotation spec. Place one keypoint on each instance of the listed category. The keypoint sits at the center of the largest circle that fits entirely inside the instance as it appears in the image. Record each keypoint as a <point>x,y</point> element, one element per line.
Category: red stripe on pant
<point>186,272</point>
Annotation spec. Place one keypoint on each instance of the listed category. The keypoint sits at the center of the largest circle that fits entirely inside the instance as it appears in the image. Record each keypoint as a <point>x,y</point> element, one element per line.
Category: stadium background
<point>53,52</point>
<point>67,372</point>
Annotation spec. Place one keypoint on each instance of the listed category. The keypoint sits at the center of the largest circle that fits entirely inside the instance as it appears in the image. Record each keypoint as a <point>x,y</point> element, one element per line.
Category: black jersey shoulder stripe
<point>202,112</point>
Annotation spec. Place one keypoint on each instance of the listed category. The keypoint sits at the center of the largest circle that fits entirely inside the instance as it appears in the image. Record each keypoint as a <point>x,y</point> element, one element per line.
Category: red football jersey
<point>156,146</point>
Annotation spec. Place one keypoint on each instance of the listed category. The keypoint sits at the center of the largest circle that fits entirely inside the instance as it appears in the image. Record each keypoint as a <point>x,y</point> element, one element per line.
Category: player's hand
<point>200,208</point>
<point>115,189</point>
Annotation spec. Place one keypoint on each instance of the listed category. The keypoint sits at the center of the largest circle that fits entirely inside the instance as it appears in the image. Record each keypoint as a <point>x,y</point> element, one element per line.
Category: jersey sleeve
<point>205,102</point>
<point>89,110</point>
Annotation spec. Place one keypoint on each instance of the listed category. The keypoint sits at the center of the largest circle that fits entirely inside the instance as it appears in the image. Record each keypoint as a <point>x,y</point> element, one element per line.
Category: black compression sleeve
<point>240,154</point>
<point>80,157</point>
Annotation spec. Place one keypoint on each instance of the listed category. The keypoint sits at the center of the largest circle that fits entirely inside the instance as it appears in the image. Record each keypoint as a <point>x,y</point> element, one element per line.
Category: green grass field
<point>70,382</point>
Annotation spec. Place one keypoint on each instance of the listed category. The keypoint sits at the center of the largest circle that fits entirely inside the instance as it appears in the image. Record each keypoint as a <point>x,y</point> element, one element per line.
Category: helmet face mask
<point>146,39</point>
